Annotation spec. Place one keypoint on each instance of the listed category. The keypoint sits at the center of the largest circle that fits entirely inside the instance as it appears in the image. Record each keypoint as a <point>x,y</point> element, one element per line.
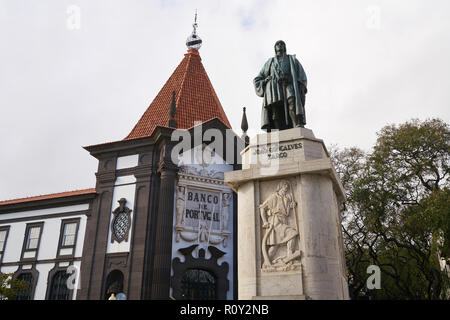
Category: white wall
<point>49,240</point>
<point>125,187</point>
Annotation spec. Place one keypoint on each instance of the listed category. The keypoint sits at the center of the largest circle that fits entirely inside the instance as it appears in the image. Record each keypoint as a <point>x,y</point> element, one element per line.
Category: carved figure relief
<point>181,204</point>
<point>280,242</point>
<point>203,230</point>
<point>225,210</point>
<point>180,207</point>
<point>121,223</point>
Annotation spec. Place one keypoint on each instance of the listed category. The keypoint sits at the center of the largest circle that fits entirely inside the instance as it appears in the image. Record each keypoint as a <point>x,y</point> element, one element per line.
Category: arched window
<point>58,288</point>
<point>26,294</point>
<point>198,284</point>
<point>114,283</point>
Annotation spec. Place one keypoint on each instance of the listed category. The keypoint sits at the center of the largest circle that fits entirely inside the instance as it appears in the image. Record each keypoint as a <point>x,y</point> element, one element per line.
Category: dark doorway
<point>198,284</point>
<point>114,283</point>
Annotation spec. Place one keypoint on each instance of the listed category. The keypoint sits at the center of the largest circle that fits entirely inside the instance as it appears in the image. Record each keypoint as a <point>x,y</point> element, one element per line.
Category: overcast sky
<point>77,73</point>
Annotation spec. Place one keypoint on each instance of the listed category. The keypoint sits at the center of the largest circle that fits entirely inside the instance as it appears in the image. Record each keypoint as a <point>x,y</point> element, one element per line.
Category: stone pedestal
<point>289,225</point>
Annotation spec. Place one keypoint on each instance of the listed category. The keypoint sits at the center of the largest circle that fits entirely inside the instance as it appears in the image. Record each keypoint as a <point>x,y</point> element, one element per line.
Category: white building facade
<point>41,242</point>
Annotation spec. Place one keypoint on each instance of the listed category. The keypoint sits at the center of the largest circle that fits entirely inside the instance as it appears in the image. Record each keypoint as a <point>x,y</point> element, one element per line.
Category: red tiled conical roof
<point>195,99</point>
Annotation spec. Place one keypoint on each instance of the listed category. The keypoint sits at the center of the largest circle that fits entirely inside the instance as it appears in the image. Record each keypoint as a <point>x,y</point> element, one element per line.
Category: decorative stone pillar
<point>164,220</point>
<point>96,234</point>
<point>289,224</point>
<point>138,268</point>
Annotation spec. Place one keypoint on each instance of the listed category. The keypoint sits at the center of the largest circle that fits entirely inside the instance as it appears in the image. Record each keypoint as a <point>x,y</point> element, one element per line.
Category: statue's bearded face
<point>280,49</point>
<point>283,189</point>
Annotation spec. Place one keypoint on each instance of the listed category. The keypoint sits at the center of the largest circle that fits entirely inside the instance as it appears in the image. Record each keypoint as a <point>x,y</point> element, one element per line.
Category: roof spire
<point>194,41</point>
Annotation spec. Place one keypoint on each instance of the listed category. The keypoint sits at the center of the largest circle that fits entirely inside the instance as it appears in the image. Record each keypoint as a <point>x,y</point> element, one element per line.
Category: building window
<point>33,238</point>
<point>33,233</point>
<point>26,294</point>
<point>197,284</point>
<point>58,288</point>
<point>3,236</point>
<point>68,237</point>
<point>70,231</point>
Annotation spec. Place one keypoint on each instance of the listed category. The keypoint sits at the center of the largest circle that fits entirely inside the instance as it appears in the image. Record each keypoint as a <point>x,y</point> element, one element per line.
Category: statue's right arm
<point>262,212</point>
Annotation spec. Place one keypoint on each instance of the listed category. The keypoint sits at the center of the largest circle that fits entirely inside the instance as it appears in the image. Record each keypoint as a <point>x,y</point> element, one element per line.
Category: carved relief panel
<point>280,247</point>
<point>203,207</point>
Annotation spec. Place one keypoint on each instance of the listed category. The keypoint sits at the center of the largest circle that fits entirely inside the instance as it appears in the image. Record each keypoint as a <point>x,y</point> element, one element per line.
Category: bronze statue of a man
<point>282,84</point>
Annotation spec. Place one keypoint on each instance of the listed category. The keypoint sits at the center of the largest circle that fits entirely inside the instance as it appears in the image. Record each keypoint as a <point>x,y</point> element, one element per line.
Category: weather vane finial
<point>195,20</point>
<point>194,41</point>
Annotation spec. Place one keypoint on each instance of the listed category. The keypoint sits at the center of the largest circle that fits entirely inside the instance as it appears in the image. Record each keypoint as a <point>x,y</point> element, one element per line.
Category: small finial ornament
<point>194,41</point>
<point>172,110</point>
<point>244,127</point>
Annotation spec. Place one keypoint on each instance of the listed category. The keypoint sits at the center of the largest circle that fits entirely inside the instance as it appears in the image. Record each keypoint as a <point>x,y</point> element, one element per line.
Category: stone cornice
<point>123,146</point>
<point>322,166</point>
<point>198,178</point>
<point>106,177</point>
<point>48,203</point>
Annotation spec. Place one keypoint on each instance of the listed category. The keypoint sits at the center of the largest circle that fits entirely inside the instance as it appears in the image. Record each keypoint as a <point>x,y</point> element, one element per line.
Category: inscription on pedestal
<point>276,150</point>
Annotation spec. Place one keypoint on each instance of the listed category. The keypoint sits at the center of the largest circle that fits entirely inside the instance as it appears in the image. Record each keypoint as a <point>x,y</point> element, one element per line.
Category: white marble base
<point>281,284</point>
<point>296,157</point>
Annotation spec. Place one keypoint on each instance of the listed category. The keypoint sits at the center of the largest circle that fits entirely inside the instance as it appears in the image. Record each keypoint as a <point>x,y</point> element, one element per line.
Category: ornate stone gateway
<point>289,223</point>
<point>199,278</point>
<point>203,224</point>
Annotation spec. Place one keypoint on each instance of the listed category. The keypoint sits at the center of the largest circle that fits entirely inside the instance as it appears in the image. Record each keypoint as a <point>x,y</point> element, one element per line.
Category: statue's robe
<point>278,207</point>
<point>272,90</point>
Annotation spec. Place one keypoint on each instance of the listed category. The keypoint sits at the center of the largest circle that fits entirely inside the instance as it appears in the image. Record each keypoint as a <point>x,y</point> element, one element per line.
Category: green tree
<point>10,287</point>
<point>349,164</point>
<point>398,210</point>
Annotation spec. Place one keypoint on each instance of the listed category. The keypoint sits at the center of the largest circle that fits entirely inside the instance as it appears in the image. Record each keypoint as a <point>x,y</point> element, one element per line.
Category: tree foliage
<point>10,287</point>
<point>398,210</point>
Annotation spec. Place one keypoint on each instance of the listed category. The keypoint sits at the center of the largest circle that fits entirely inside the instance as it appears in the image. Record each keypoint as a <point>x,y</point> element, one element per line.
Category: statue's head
<point>280,48</point>
<point>283,187</point>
